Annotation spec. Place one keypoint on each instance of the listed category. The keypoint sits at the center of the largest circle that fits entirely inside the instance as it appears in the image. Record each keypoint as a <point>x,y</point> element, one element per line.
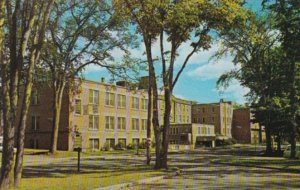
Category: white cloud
<point>234,91</point>
<point>92,68</point>
<point>213,70</point>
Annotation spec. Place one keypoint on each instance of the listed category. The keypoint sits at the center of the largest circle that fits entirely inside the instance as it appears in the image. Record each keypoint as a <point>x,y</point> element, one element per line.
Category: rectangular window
<point>109,122</point>
<point>109,99</point>
<point>144,124</point>
<point>135,124</point>
<point>122,142</point>
<point>110,143</point>
<point>199,130</point>
<point>93,96</point>
<point>35,122</point>
<point>203,110</point>
<point>203,119</point>
<point>135,142</point>
<point>213,109</point>
<point>121,101</point>
<point>35,97</point>
<point>94,144</point>
<point>94,122</point>
<point>144,104</point>
<point>208,130</point>
<point>135,103</point>
<point>77,106</point>
<point>121,123</point>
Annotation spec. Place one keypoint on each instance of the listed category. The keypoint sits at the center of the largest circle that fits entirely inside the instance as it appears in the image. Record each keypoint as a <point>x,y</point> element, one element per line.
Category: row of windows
<point>203,119</point>
<point>121,123</point>
<point>204,130</point>
<point>110,100</point>
<point>111,143</point>
<point>183,118</point>
<point>211,109</point>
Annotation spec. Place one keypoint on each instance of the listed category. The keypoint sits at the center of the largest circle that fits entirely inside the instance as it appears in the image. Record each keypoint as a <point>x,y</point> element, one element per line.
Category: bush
<point>120,146</point>
<point>130,146</point>
<point>105,147</point>
<point>143,145</point>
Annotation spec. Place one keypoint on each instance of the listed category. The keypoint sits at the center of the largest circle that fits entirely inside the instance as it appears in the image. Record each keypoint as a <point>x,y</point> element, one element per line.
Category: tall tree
<point>176,23</point>
<point>257,51</point>
<point>25,26</point>
<point>287,16</point>
<point>80,33</point>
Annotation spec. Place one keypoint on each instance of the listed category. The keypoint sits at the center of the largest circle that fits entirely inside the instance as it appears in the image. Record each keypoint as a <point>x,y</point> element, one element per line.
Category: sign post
<point>77,145</point>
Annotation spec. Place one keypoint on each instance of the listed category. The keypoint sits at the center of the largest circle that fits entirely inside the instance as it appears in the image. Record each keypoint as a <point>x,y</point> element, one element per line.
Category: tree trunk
<point>57,99</point>
<point>165,135</point>
<point>269,149</point>
<point>23,118</point>
<point>155,119</point>
<point>148,160</point>
<point>278,140</point>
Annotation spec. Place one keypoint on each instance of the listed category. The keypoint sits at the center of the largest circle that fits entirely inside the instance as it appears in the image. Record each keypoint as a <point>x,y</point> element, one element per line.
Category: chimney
<point>102,80</point>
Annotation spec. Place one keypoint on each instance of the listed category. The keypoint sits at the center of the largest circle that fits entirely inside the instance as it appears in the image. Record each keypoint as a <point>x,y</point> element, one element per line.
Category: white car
<point>287,151</point>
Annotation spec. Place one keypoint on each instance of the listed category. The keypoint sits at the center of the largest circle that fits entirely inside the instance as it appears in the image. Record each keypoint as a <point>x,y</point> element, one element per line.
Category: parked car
<point>287,151</point>
<point>1,145</point>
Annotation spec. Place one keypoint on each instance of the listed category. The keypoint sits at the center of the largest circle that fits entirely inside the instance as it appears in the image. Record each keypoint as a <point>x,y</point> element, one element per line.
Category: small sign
<point>78,140</point>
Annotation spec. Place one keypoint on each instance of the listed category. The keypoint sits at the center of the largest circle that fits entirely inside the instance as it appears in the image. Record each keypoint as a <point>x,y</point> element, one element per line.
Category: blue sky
<point>198,81</point>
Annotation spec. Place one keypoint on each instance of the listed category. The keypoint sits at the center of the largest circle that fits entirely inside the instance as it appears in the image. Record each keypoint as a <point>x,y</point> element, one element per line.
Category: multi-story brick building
<point>217,114</point>
<point>245,131</point>
<point>103,115</point>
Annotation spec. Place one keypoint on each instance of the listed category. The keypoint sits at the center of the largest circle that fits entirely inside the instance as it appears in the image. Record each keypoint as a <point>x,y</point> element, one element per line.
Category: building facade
<point>217,114</point>
<point>245,131</point>
<point>102,115</point>
<point>191,135</point>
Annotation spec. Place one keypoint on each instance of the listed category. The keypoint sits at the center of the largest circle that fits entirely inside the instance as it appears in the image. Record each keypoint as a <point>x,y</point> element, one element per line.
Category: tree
<point>181,22</point>
<point>287,16</point>
<point>25,23</point>
<point>80,33</point>
<point>257,49</point>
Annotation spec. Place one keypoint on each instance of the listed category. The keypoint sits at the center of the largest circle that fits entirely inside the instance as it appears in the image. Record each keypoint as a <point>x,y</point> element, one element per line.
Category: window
<point>93,96</point>
<point>144,124</point>
<point>35,97</point>
<point>203,119</point>
<point>94,144</point>
<point>213,109</point>
<point>135,141</point>
<point>135,124</point>
<point>77,106</point>
<point>213,119</point>
<point>121,123</point>
<point>94,122</point>
<point>199,130</point>
<point>203,110</point>
<point>35,122</point>
<point>110,143</point>
<point>109,99</point>
<point>109,122</point>
<point>135,102</point>
<point>122,142</point>
<point>144,104</point>
<point>208,131</point>
<point>121,101</point>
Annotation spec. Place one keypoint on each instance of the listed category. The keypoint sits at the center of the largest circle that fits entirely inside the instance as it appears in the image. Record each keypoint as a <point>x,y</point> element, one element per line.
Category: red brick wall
<point>44,110</point>
<point>241,130</point>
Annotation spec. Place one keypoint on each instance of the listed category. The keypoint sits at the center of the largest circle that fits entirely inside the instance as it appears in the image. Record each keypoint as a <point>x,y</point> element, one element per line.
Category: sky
<point>198,81</point>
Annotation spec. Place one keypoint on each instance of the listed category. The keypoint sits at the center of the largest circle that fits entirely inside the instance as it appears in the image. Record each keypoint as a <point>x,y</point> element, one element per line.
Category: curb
<point>130,184</point>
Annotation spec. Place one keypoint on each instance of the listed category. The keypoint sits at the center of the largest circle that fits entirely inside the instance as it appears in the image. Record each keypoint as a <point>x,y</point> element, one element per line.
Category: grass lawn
<point>59,171</point>
<point>264,162</point>
<point>85,180</point>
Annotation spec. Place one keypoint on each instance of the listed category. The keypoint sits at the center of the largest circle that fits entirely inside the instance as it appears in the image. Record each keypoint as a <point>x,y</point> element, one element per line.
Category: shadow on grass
<point>106,168</point>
